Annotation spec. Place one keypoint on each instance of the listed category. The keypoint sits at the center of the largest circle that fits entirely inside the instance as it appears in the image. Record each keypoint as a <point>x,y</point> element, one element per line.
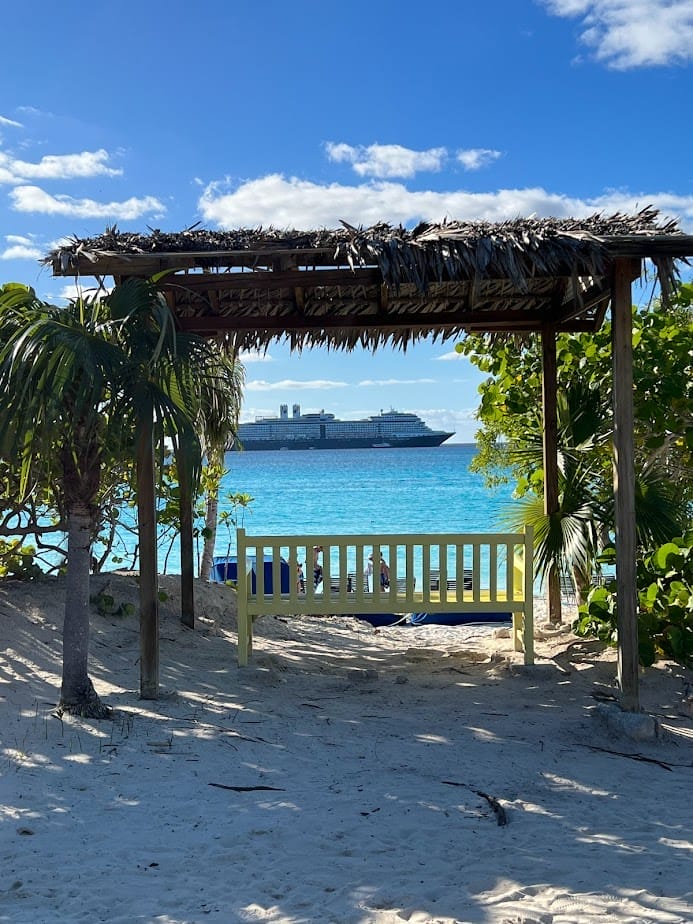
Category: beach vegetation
<point>18,560</point>
<point>665,604</point>
<point>510,437</point>
<point>29,522</point>
<point>218,426</point>
<point>77,385</point>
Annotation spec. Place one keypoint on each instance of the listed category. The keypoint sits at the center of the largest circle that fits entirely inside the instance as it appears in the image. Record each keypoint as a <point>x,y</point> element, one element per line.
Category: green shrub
<point>18,561</point>
<point>665,605</point>
<point>106,605</point>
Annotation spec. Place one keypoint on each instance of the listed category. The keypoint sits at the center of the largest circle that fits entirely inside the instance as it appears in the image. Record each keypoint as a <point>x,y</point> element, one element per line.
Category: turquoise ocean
<point>363,491</point>
<point>425,490</point>
<point>350,491</point>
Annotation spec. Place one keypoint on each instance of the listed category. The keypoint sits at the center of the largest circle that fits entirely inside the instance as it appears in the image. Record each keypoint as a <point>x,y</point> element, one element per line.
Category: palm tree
<point>219,424</point>
<point>79,386</point>
<point>571,539</point>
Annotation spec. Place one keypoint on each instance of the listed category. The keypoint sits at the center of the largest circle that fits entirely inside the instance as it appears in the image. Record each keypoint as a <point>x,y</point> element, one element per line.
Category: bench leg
<point>523,635</point>
<point>528,636</point>
<point>244,639</point>
<point>517,631</point>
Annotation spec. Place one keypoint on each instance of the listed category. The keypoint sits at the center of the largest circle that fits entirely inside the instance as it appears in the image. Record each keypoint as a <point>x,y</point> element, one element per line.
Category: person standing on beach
<point>317,567</point>
<point>384,574</point>
<point>384,571</point>
<point>369,571</point>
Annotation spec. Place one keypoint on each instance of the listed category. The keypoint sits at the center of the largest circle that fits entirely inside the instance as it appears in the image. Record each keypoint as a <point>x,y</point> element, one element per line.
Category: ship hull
<point>375,442</point>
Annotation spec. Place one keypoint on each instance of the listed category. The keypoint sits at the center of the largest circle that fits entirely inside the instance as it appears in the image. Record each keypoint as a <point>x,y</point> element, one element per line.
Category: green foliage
<point>597,617</point>
<point>76,383</point>
<point>665,605</point>
<point>240,505</point>
<point>106,605</point>
<point>18,561</point>
<point>235,517</point>
<point>510,437</point>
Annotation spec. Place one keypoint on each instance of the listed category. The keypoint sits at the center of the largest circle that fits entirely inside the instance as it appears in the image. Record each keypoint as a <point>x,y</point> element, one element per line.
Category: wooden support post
<point>149,597</point>
<point>624,484</point>
<point>550,444</point>
<point>187,564</point>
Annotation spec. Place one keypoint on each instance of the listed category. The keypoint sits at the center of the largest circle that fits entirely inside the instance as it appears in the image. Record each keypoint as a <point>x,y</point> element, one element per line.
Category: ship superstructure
<point>388,429</point>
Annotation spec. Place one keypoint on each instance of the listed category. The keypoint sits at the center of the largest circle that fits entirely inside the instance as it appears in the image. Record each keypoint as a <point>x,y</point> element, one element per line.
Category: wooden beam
<point>291,320</point>
<point>114,263</point>
<point>642,246</point>
<point>149,597</point>
<point>624,485</point>
<point>384,298</point>
<point>549,386</point>
<point>276,279</point>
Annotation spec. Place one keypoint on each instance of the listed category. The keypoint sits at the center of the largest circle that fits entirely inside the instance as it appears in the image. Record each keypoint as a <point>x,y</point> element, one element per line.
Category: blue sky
<point>234,113</point>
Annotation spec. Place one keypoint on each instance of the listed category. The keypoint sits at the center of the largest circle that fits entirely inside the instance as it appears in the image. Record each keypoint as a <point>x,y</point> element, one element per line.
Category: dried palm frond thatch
<point>385,283</point>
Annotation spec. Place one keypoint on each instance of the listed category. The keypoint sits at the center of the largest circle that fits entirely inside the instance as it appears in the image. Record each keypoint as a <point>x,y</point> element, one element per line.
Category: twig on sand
<point>498,809</point>
<point>649,760</point>
<point>247,788</point>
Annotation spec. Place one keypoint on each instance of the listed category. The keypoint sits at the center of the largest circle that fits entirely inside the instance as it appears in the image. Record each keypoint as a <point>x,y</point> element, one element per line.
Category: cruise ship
<point>386,430</point>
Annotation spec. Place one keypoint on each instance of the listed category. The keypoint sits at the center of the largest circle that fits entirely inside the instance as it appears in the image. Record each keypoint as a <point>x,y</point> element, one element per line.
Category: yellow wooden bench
<point>459,573</point>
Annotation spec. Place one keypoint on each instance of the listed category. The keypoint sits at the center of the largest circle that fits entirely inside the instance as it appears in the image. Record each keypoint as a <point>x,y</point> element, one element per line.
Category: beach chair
<point>352,583</point>
<point>402,585</point>
<point>568,593</point>
<point>435,580</point>
<point>467,580</point>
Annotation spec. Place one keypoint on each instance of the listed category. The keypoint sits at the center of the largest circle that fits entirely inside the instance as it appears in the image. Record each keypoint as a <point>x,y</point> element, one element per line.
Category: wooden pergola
<point>391,287</point>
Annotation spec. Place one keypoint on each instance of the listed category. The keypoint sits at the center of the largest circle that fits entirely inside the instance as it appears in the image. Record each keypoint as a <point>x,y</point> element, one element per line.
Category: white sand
<point>336,779</point>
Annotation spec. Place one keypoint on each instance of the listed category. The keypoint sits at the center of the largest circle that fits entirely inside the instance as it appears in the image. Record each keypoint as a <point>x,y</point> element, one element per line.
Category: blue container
<point>458,619</point>
<point>225,568</point>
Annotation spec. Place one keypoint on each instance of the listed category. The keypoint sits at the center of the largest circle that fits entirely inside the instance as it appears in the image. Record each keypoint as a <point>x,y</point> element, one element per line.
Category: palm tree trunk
<point>211,516</point>
<point>216,462</point>
<point>77,694</point>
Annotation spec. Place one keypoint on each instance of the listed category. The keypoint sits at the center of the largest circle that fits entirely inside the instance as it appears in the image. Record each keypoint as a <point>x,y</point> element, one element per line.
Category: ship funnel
<point>297,410</point>
<point>284,411</point>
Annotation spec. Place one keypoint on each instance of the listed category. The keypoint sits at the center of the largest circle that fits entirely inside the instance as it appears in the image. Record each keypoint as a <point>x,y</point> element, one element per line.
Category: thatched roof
<point>384,284</point>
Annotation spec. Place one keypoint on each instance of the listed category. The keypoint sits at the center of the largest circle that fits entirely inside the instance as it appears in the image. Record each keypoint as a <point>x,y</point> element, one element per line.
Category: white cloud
<point>367,383</point>
<point>87,287</point>
<point>73,291</point>
<point>633,33</point>
<point>10,122</point>
<point>452,356</point>
<point>322,384</point>
<point>459,421</point>
<point>21,252</point>
<point>475,158</point>
<point>254,356</point>
<point>385,161</point>
<point>56,167</point>
<point>293,203</point>
<point>21,247</point>
<point>34,199</point>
